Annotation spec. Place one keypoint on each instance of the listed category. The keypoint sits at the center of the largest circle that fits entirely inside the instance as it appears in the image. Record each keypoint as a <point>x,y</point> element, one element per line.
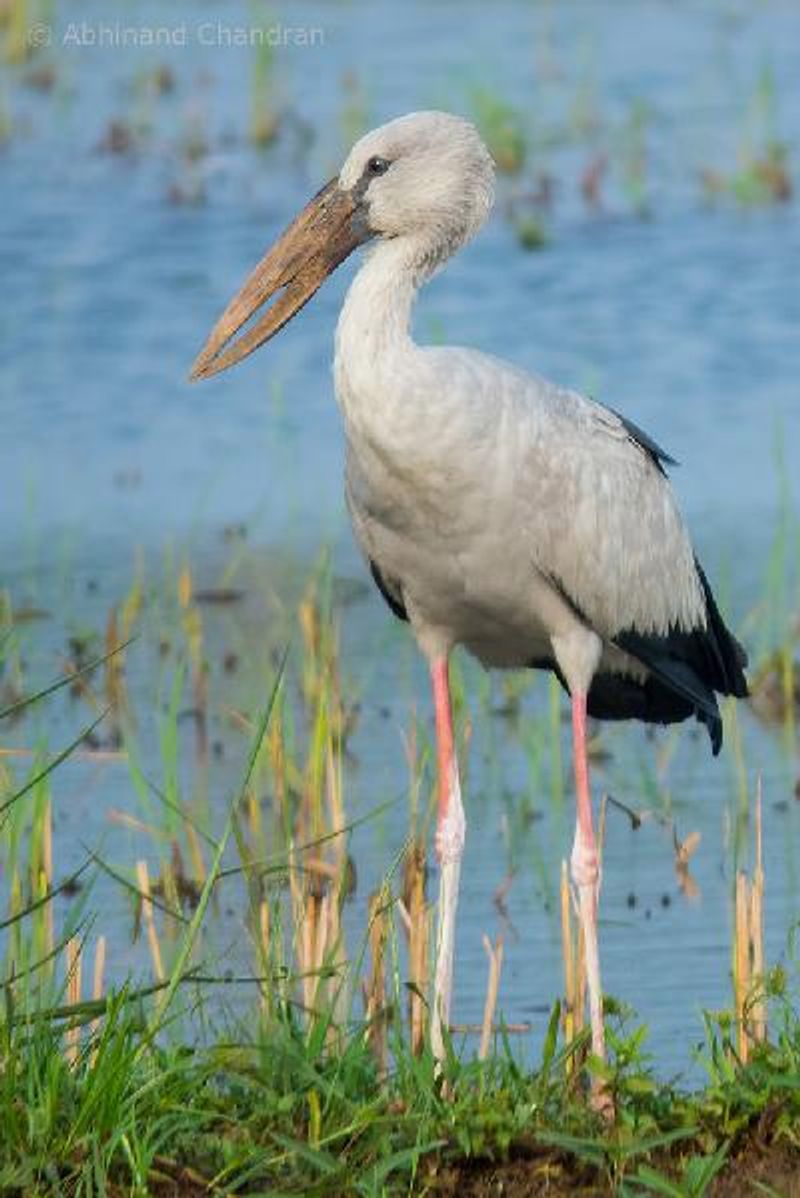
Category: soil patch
<point>532,1172</point>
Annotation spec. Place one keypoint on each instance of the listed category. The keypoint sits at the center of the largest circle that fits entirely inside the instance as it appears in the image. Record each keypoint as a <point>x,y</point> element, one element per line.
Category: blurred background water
<point>644,249</point>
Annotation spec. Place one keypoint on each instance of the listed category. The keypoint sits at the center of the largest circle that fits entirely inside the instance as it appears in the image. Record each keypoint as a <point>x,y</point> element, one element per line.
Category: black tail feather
<point>692,665</point>
<point>682,677</point>
<point>730,655</point>
<point>618,697</point>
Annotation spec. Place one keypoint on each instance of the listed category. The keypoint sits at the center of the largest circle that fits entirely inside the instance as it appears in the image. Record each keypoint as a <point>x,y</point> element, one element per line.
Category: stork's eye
<point>378,165</point>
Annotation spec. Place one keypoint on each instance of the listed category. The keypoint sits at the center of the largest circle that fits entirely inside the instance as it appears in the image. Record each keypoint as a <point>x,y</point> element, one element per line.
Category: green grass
<point>266,1082</point>
<point>283,1098</point>
<point>270,1107</point>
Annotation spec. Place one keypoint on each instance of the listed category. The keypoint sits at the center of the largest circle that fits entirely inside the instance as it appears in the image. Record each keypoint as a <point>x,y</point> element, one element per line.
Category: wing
<point>608,532</point>
<point>497,476</point>
<point>603,520</point>
<point>572,487</point>
<point>654,451</point>
<point>390,591</point>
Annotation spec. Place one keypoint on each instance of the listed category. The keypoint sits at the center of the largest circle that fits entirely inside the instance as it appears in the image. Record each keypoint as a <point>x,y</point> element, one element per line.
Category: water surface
<point>680,312</point>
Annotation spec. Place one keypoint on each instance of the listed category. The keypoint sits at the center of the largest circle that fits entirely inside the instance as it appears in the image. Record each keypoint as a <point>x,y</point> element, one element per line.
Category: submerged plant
<point>762,174</point>
<point>324,1081</point>
<point>502,128</point>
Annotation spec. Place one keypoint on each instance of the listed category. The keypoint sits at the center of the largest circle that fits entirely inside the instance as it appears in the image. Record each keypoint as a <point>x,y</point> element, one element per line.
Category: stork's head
<point>426,177</point>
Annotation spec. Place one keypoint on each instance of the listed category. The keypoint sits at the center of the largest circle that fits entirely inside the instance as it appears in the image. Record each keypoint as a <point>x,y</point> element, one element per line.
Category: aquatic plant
<point>502,129</point>
<point>265,120</point>
<point>354,116</point>
<point>762,174</point>
<point>632,155</point>
<point>303,1091</point>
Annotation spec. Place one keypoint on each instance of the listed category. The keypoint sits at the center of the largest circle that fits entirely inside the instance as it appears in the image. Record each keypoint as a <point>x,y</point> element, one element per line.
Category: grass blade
<point>57,760</point>
<point>205,895</point>
<point>21,704</point>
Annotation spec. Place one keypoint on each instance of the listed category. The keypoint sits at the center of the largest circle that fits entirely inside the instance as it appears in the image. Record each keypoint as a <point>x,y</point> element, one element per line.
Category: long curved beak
<point>329,228</point>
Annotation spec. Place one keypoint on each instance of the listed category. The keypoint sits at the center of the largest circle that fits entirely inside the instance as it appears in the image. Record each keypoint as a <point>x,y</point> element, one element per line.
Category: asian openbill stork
<point>495,510</point>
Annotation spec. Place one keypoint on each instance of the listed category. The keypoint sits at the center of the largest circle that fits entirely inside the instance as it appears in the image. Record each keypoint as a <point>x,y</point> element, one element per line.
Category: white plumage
<point>496,510</point>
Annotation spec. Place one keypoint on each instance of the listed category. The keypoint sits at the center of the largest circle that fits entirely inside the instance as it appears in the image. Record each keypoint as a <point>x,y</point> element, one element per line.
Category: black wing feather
<point>391,592</point>
<point>685,669</point>
<point>663,657</point>
<point>657,455</point>
<point>696,664</point>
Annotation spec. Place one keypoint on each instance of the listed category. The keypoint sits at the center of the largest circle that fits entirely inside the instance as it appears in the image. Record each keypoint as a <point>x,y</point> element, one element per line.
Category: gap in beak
<point>259,313</point>
<point>207,364</point>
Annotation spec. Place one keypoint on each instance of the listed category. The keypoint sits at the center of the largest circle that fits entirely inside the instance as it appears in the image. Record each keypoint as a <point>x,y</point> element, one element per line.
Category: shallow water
<point>685,320</point>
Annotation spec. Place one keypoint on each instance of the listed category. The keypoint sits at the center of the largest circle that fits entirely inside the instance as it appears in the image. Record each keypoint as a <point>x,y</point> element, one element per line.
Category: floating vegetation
<point>763,179</point>
<point>217,984</point>
<point>17,19</point>
<point>354,117</point>
<point>592,179</point>
<point>159,80</point>
<point>632,156</point>
<point>265,121</point>
<point>526,209</point>
<point>584,116</point>
<point>119,138</point>
<point>335,1035</point>
<point>530,232</point>
<point>762,174</point>
<point>501,127</point>
<point>41,77</point>
<point>775,688</point>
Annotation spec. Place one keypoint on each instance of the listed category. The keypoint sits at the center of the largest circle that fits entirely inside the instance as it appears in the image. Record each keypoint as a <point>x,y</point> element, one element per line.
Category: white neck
<point>374,325</point>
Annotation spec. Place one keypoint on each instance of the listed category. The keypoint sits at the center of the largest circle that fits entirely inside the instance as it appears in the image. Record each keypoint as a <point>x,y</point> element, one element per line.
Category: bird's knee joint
<point>585,866</point>
<point>451,835</point>
<point>578,651</point>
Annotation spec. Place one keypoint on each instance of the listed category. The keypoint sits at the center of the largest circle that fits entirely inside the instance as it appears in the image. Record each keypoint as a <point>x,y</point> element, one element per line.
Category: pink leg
<point>586,876</point>
<point>450,835</point>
